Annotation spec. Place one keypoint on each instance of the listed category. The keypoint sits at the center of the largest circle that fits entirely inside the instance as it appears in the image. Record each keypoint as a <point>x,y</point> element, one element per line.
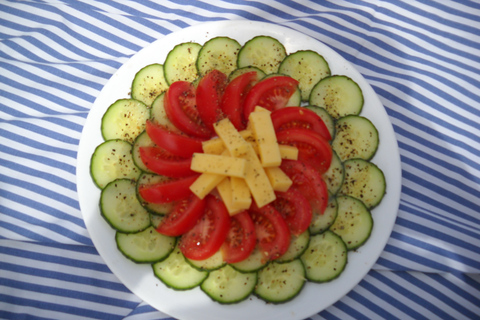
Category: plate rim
<point>295,309</point>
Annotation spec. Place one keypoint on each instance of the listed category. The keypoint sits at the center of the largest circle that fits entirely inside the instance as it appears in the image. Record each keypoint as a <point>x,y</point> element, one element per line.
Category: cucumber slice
<point>113,160</point>
<point>365,181</point>
<point>124,119</point>
<point>121,209</point>
<point>263,52</point>
<point>148,83</point>
<point>155,208</point>
<point>159,116</point>
<point>176,273</point>
<point>339,95</point>
<point>146,246</point>
<point>240,71</point>
<point>254,262</point>
<point>356,137</point>
<point>180,63</point>
<point>155,219</point>
<point>325,258</point>
<point>335,174</point>
<point>227,285</point>
<point>212,263</point>
<point>219,53</point>
<point>142,140</point>
<point>307,67</point>
<point>298,245</point>
<point>321,222</point>
<point>354,222</point>
<point>280,282</point>
<point>326,117</point>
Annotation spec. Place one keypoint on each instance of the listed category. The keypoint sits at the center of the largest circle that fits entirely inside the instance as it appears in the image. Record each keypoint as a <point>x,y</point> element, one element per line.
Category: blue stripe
<point>68,277</point>
<point>454,288</point>
<point>37,173</point>
<point>367,303</point>
<point>438,309</point>
<point>350,311</point>
<point>389,299</point>
<point>24,232</point>
<point>40,190</point>
<point>57,259</point>
<point>45,131</point>
<point>36,144</point>
<point>20,315</point>
<point>86,312</point>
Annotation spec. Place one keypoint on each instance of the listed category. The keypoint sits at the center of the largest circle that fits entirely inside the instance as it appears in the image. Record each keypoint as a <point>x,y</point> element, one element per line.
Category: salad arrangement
<point>181,169</point>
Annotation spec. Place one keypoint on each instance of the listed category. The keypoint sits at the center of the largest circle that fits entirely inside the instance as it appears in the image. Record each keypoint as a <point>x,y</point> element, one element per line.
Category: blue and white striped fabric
<point>421,57</point>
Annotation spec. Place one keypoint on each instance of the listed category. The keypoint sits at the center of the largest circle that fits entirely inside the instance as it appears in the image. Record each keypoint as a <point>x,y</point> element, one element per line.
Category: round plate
<point>194,304</point>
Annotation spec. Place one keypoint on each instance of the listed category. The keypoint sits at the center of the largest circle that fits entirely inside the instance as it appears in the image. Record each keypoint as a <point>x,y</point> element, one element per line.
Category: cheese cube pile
<point>243,165</point>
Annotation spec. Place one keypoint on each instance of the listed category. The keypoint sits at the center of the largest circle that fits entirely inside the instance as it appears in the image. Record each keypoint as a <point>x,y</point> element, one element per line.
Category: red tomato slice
<point>309,182</point>
<point>295,209</point>
<point>209,233</point>
<point>180,107</point>
<point>241,239</point>
<point>299,117</point>
<point>165,163</point>
<point>183,217</point>
<point>312,148</point>
<point>178,144</point>
<point>209,94</point>
<point>273,236</point>
<point>234,98</point>
<point>271,93</point>
<point>168,191</point>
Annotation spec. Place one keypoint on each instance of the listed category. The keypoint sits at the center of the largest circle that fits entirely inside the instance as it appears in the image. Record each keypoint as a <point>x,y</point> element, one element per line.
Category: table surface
<point>422,59</point>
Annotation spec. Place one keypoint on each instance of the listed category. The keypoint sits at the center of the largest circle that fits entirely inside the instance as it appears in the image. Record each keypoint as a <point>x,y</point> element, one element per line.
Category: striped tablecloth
<point>421,57</point>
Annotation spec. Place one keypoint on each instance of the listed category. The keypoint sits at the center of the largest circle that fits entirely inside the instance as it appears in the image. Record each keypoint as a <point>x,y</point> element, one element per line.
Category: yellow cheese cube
<point>224,188</point>
<point>231,138</point>
<point>213,146</point>
<point>241,197</point>
<point>205,183</point>
<point>218,164</point>
<point>257,180</point>
<point>278,179</point>
<point>266,138</point>
<point>288,152</point>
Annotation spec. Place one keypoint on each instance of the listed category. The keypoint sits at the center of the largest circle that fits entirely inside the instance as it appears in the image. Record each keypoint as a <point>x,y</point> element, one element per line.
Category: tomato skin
<point>273,235</point>
<point>180,107</point>
<point>312,148</point>
<point>295,209</point>
<point>271,93</point>
<point>299,117</point>
<point>168,191</point>
<point>178,144</point>
<point>209,233</point>
<point>183,217</point>
<point>234,98</point>
<point>309,182</point>
<point>241,238</point>
<point>165,163</point>
<point>209,95</point>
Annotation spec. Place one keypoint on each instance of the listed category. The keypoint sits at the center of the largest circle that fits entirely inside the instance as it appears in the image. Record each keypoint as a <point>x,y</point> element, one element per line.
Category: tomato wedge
<point>299,117</point>
<point>167,191</point>
<point>176,143</point>
<point>165,163</point>
<point>273,235</point>
<point>180,107</point>
<point>241,239</point>
<point>183,217</point>
<point>209,95</point>
<point>234,98</point>
<point>295,209</point>
<point>209,233</point>
<point>312,148</point>
<point>309,182</point>
<point>271,93</point>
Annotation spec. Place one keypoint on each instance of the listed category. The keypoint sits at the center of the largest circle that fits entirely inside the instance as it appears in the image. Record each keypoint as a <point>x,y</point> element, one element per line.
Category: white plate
<point>195,304</point>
